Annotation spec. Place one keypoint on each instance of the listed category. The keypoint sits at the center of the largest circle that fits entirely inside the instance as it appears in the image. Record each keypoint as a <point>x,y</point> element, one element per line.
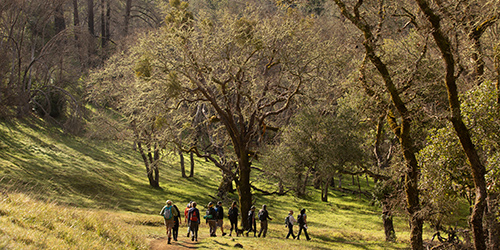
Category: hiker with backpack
<point>219,210</point>
<point>186,211</point>
<point>233,218</point>
<point>289,221</point>
<point>302,220</point>
<point>168,217</point>
<point>251,222</point>
<point>193,220</point>
<point>211,219</point>
<point>177,220</point>
<point>263,217</point>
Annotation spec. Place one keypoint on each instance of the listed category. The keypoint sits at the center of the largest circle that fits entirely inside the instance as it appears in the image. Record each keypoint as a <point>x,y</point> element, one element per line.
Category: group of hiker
<point>215,218</point>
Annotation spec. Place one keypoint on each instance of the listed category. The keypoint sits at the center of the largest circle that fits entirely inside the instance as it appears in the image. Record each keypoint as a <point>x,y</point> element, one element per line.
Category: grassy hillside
<point>65,192</point>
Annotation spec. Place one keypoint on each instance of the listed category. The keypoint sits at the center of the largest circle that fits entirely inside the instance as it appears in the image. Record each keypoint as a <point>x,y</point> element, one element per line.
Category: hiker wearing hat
<point>251,222</point>
<point>168,215</point>
<point>211,218</point>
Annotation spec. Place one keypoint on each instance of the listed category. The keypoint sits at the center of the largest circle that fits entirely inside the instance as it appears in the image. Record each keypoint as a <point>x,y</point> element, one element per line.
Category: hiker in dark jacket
<point>302,220</point>
<point>193,219</point>
<point>177,220</point>
<point>251,222</point>
<point>211,218</point>
<point>263,217</point>
<point>220,217</point>
<point>233,218</point>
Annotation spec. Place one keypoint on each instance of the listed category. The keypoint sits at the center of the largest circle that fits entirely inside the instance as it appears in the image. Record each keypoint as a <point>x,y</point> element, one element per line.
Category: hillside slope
<point>65,192</point>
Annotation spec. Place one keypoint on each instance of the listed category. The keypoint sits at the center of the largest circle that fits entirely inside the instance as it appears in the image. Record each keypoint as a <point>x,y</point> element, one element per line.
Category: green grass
<point>66,192</point>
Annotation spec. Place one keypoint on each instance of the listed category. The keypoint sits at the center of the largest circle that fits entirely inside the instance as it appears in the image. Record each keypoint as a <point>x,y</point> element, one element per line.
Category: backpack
<point>218,212</point>
<point>194,216</point>
<point>300,219</point>
<point>230,212</point>
<point>209,215</point>
<point>167,213</point>
<point>287,221</point>
<point>261,215</point>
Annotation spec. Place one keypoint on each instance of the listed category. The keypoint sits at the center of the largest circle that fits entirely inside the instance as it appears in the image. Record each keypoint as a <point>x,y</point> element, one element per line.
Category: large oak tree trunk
<point>243,186</point>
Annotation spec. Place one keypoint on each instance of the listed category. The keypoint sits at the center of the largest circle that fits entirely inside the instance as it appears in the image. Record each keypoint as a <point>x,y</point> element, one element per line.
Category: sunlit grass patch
<point>30,224</point>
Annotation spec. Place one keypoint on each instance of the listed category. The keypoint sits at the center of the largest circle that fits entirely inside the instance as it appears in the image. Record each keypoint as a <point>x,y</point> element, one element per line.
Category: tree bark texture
<point>191,157</point>
<point>151,163</point>
<point>126,21</point>
<point>59,21</point>
<point>183,168</point>
<point>90,17</point>
<point>76,18</point>
<point>492,221</point>
<point>243,186</point>
<point>390,233</point>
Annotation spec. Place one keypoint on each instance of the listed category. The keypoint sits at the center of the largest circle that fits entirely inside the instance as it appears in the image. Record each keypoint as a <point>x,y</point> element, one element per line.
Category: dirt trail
<point>183,243</point>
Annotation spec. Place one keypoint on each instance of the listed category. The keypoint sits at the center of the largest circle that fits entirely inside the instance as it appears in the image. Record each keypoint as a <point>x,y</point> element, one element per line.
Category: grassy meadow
<point>64,192</point>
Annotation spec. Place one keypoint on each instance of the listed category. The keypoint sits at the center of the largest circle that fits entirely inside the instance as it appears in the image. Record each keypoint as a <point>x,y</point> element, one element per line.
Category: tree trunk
<point>151,166</point>
<point>90,9</point>
<point>225,186</point>
<point>318,179</point>
<point>324,190</point>
<point>191,172</point>
<point>183,169</point>
<point>156,169</point>
<point>492,221</point>
<point>281,187</point>
<point>402,131</point>
<point>243,186</point>
<point>126,21</point>
<point>76,18</point>
<point>107,36</point>
<point>390,234</point>
<point>103,24</point>
<point>477,168</point>
<point>59,21</point>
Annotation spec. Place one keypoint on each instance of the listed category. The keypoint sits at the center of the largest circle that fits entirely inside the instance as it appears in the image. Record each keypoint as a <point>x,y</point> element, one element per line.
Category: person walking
<point>263,217</point>
<point>186,211</point>
<point>251,222</point>
<point>193,220</point>
<point>211,218</point>
<point>168,217</point>
<point>289,222</point>
<point>233,218</point>
<point>219,210</point>
<point>177,221</point>
<point>302,220</point>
